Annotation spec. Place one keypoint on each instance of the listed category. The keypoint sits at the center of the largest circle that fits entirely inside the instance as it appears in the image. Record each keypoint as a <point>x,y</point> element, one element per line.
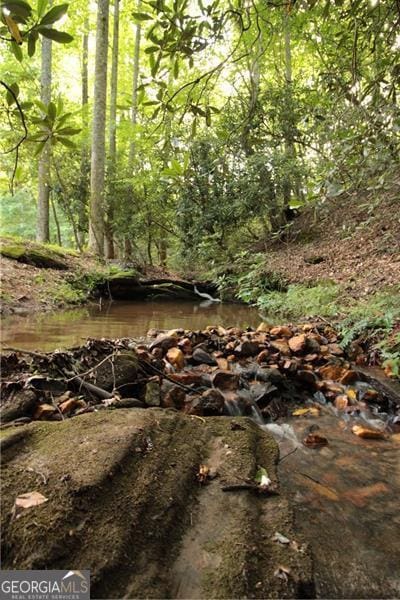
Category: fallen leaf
<point>312,411</point>
<point>278,537</point>
<point>262,478</point>
<point>282,572</point>
<point>366,433</point>
<point>203,474</point>
<point>313,440</point>
<point>28,500</point>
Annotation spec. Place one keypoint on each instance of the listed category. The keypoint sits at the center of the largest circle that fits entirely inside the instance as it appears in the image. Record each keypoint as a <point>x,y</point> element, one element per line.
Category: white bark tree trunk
<point>96,222</point>
<point>112,137</point>
<point>42,223</point>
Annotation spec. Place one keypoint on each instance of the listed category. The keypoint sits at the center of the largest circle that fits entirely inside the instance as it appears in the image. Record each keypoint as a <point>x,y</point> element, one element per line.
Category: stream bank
<point>41,277</point>
<point>194,502</point>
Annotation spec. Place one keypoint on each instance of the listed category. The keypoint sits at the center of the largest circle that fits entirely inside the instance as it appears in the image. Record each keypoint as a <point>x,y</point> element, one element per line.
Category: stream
<point>345,494</point>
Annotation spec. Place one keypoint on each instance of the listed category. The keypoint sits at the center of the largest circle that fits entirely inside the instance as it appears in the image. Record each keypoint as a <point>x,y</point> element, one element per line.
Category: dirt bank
<point>352,240</point>
<point>37,277</point>
<point>125,500</point>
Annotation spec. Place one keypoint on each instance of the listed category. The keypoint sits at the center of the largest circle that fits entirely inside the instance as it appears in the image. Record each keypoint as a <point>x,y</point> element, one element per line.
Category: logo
<point>45,585</point>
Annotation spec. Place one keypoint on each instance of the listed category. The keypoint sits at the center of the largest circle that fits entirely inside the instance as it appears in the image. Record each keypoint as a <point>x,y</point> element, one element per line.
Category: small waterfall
<point>236,408</point>
<point>233,408</point>
<point>256,414</point>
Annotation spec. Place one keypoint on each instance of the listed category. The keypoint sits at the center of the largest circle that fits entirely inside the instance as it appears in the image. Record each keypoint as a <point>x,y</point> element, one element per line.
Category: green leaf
<point>39,148</point>
<point>33,36</point>
<point>41,7</point>
<point>151,49</point>
<point>58,36</point>
<point>176,68</point>
<point>52,111</point>
<point>261,473</point>
<point>139,16</point>
<point>68,131</point>
<point>41,105</point>
<point>66,142</point>
<point>16,50</point>
<point>10,98</point>
<point>54,14</point>
<point>18,8</point>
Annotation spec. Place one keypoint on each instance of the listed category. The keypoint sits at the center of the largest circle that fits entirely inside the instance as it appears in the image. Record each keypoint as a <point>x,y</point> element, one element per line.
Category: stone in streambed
<point>153,392</point>
<point>200,356</point>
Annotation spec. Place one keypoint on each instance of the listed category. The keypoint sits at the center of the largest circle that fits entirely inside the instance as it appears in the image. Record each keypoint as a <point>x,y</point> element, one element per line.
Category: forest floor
<point>352,240</point>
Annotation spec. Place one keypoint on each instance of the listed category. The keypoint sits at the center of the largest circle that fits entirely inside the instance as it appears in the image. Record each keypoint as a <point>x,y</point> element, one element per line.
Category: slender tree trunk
<point>288,125</point>
<point>134,113</point>
<point>85,164</point>
<point>96,222</point>
<point>135,80</point>
<point>42,225</point>
<point>112,144</point>
<point>56,221</point>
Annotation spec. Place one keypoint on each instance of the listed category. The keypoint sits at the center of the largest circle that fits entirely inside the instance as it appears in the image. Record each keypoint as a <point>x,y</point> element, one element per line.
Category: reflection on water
<point>67,328</point>
<point>346,498</point>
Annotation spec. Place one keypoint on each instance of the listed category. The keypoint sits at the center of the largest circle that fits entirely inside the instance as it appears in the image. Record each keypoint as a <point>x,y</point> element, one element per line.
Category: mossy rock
<point>124,500</point>
<point>36,256</point>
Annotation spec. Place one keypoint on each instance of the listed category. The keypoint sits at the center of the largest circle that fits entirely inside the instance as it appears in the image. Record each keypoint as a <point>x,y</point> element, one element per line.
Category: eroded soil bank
<point>125,499</point>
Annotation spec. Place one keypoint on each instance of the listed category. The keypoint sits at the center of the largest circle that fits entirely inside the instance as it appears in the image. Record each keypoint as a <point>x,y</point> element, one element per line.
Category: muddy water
<point>66,328</point>
<point>346,499</point>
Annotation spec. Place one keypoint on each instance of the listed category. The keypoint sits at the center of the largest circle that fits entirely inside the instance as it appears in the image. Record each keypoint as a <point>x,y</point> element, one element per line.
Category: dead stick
<point>93,388</point>
<point>28,352</point>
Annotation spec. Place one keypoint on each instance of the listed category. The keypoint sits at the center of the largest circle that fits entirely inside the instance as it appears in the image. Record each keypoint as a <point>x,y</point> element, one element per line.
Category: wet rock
<point>247,349</point>
<point>185,345</point>
<point>333,372</point>
<point>212,402</point>
<point>312,345</point>
<point>165,342</point>
<point>174,398</point>
<point>335,349</point>
<point>44,411</point>
<point>281,332</point>
<point>262,357</point>
<point>308,378</point>
<point>297,343</point>
<point>20,403</point>
<point>200,356</point>
<point>281,346</point>
<point>176,357</point>
<point>122,369</point>
<point>153,392</point>
<point>225,380</point>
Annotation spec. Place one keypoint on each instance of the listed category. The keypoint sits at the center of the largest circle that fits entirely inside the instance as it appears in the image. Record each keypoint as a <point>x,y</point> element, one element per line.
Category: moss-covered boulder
<point>33,254</point>
<point>127,498</point>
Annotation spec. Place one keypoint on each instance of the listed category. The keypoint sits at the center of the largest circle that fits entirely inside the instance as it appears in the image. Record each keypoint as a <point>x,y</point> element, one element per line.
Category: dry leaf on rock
<point>278,537</point>
<point>282,572</point>
<point>27,500</point>
<point>366,433</point>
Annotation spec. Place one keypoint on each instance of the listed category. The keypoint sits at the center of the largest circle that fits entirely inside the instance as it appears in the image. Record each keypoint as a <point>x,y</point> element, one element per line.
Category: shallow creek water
<point>346,504</point>
<point>66,328</point>
<point>345,495</point>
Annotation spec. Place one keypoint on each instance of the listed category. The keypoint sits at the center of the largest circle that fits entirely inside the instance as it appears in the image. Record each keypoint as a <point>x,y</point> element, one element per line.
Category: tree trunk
<point>42,225</point>
<point>112,136</point>
<point>135,80</point>
<point>96,222</point>
<point>134,113</point>
<point>288,125</point>
<point>56,221</point>
<point>84,166</point>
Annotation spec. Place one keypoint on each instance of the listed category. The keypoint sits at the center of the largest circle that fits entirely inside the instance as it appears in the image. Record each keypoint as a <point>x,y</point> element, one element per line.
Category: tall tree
<point>84,166</point>
<point>112,144</point>
<point>135,80</point>
<point>96,222</point>
<point>42,224</point>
